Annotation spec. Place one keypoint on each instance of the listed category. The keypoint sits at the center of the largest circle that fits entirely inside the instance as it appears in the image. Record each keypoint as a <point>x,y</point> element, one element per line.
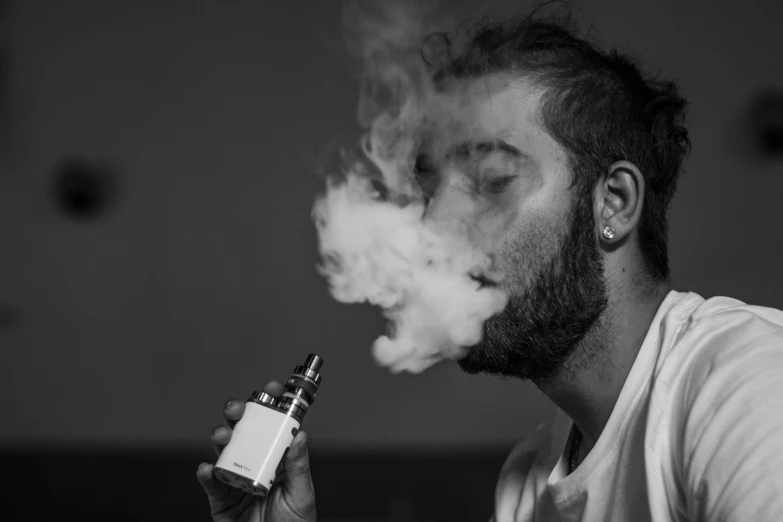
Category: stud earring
<point>608,232</point>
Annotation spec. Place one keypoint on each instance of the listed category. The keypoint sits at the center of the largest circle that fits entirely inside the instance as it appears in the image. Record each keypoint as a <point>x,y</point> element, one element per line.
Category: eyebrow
<point>467,148</point>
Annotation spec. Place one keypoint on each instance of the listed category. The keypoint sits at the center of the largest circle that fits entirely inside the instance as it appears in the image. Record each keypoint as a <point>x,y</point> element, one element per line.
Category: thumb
<point>297,483</point>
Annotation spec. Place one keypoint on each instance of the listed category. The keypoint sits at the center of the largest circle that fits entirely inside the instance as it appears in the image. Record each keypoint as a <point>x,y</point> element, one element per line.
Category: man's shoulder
<point>731,327</point>
<point>711,347</point>
<point>722,350</point>
<point>717,330</point>
<point>722,388</point>
<point>720,308</point>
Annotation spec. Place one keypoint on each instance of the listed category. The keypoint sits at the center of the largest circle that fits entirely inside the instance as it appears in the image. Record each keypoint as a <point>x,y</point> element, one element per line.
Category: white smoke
<point>378,245</point>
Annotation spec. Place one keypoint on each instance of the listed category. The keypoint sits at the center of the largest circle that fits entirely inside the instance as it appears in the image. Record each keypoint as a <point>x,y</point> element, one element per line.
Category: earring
<point>608,232</point>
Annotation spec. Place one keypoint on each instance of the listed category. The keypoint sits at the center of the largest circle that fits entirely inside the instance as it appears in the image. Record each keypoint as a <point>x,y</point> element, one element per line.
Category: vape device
<point>265,431</point>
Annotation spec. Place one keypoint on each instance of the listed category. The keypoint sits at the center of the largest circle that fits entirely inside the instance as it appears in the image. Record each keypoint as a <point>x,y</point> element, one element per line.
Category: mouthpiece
<point>313,362</point>
<point>301,388</point>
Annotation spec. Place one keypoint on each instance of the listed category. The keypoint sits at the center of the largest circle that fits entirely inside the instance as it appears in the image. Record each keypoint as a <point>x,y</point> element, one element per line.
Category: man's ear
<point>618,199</point>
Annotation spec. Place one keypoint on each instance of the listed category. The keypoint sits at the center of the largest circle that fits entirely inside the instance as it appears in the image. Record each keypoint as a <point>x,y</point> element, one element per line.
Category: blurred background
<point>158,164</point>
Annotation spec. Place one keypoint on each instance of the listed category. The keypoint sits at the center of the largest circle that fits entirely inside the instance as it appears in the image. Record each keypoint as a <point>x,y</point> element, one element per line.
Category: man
<point>669,405</point>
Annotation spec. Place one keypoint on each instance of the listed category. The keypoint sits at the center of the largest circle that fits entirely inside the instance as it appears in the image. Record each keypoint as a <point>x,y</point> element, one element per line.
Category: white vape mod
<point>265,431</point>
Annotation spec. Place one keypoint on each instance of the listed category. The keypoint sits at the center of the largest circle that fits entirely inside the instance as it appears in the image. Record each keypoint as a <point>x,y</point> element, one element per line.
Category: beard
<point>539,330</point>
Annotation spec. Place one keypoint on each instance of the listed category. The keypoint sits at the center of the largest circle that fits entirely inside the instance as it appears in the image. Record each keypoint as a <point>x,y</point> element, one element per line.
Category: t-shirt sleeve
<point>732,445</point>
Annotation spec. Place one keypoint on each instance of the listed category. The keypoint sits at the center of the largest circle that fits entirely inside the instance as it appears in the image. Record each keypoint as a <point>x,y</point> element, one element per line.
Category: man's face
<point>487,161</point>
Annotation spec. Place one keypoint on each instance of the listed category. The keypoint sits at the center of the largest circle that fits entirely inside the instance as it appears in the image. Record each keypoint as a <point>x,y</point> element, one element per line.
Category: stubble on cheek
<point>526,250</point>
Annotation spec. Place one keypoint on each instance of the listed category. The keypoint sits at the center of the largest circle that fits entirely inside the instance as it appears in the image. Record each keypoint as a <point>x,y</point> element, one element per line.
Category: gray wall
<point>199,285</point>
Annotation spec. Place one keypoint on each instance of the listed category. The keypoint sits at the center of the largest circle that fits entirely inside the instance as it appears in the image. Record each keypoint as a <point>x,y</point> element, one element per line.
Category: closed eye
<point>498,184</point>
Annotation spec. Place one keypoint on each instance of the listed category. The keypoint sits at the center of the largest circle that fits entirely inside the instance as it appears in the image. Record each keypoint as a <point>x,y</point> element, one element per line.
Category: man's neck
<point>590,384</point>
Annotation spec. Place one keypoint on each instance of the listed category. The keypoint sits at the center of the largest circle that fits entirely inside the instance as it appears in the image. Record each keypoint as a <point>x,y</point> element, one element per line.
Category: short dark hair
<point>597,104</point>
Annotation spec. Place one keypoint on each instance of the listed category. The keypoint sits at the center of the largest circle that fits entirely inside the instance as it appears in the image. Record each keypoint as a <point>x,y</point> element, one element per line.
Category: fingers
<point>274,388</point>
<point>235,408</point>
<point>221,496</point>
<point>233,411</point>
<point>213,487</point>
<point>297,483</point>
<point>220,436</point>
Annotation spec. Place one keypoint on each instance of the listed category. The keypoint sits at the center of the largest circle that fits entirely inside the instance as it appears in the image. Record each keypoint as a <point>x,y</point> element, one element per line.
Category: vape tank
<point>265,431</point>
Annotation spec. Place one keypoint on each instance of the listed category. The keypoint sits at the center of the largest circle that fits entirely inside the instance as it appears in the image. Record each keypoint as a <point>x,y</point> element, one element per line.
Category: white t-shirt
<point>696,434</point>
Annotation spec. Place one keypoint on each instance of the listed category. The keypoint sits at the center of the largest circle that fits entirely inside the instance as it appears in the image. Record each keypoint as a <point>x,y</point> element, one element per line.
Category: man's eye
<point>498,184</point>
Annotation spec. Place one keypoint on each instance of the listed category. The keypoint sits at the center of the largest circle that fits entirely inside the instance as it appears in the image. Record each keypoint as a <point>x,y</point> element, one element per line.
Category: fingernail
<point>230,404</point>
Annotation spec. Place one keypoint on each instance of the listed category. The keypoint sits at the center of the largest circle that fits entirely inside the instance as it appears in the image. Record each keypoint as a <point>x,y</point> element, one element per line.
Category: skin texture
<point>579,304</point>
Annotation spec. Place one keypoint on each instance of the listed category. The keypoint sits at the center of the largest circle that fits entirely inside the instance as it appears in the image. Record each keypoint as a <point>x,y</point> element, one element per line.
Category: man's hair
<point>597,104</point>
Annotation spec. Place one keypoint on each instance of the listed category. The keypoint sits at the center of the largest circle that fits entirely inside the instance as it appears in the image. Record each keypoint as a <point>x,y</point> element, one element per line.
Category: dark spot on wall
<point>83,189</point>
<point>766,118</point>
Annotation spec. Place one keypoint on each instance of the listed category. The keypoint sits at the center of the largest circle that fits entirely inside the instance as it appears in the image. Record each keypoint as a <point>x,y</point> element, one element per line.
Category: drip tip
<point>313,362</point>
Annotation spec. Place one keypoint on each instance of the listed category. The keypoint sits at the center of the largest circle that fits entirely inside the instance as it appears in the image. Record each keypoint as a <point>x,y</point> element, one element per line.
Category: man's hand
<point>291,498</point>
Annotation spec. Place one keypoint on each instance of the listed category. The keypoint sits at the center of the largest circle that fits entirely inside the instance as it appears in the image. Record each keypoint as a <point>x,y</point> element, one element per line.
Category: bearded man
<point>670,406</point>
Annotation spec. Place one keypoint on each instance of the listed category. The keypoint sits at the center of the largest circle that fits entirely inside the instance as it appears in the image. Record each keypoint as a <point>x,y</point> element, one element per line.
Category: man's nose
<point>451,202</point>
